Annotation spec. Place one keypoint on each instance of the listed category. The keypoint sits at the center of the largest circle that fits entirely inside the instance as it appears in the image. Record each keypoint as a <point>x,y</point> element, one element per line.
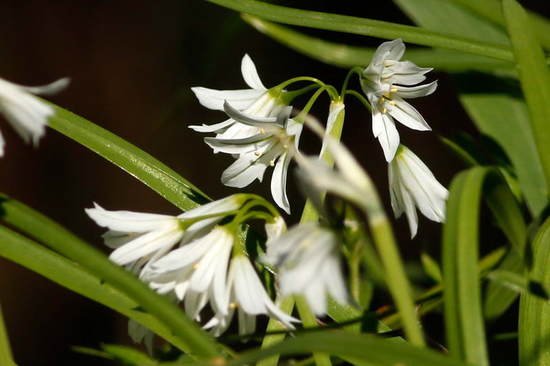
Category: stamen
<point>233,305</point>
<point>257,153</point>
<point>384,110</point>
<point>393,89</point>
<point>272,163</point>
<point>391,102</point>
<point>196,265</point>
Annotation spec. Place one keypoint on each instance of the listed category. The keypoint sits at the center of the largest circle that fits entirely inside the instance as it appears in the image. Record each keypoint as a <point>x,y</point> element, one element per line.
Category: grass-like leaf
<point>366,27</point>
<point>461,280</point>
<point>534,313</point>
<point>128,157</point>
<point>347,56</point>
<point>67,244</point>
<point>534,77</point>
<point>6,358</point>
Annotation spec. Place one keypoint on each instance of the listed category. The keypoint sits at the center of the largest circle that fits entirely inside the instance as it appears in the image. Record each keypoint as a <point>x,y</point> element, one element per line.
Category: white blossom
<point>246,295</point>
<point>271,145</point>
<point>309,264</point>
<point>413,185</point>
<point>27,114</point>
<point>387,82</point>
<point>257,101</point>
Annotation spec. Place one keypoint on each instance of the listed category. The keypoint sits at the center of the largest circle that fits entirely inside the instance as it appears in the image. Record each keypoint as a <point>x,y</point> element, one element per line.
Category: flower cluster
<point>199,258</point>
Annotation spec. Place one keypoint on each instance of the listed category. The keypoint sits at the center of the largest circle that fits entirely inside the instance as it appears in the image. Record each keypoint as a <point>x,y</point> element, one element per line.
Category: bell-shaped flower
<point>246,295</point>
<point>27,114</point>
<point>272,145</point>
<point>413,185</point>
<point>308,264</point>
<point>141,238</point>
<point>387,82</point>
<point>257,101</point>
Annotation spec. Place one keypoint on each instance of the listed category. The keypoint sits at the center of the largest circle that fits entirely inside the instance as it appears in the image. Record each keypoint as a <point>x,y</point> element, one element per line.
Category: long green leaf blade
<point>6,357</point>
<point>462,293</point>
<point>136,162</point>
<point>534,77</point>
<point>58,238</point>
<point>347,56</point>
<point>68,274</point>
<point>534,313</point>
<point>366,27</point>
<point>366,349</point>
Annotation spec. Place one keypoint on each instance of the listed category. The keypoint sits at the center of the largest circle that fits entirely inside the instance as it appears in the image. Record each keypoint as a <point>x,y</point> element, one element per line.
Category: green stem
<point>360,98</point>
<point>366,27</point>
<point>69,245</point>
<point>6,357</point>
<point>355,70</point>
<point>310,321</point>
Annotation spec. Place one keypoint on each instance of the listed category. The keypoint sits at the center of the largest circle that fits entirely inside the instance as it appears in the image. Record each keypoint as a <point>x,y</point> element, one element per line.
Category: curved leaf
<point>366,27</point>
<point>128,157</point>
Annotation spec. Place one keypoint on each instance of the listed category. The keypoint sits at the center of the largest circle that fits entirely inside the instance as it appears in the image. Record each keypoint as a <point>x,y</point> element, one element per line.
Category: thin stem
<point>360,98</point>
<point>6,357</point>
<point>289,96</point>
<point>354,70</point>
<point>304,112</point>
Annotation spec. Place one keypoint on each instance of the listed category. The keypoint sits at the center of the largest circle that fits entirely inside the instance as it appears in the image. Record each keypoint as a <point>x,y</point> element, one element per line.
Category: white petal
<point>408,115</point>
<point>250,74</point>
<point>410,212</point>
<point>396,198</point>
<point>144,245</point>
<point>238,146</point>
<point>224,205</point>
<point>48,89</point>
<point>391,50</point>
<point>334,110</point>
<point>416,91</point>
<point>243,171</point>
<point>128,221</point>
<point>250,119</point>
<point>386,133</point>
<point>187,254</point>
<point>214,99</point>
<point>249,291</point>
<point>217,127</point>
<point>278,182</point>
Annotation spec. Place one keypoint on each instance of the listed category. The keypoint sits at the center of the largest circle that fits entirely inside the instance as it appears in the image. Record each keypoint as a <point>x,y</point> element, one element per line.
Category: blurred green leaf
<point>533,75</point>
<point>128,157</point>
<point>492,10</point>
<point>519,283</point>
<point>534,313</point>
<point>361,349</point>
<point>6,357</point>
<point>461,281</point>
<point>366,27</point>
<point>496,110</point>
<point>347,56</point>
<point>55,236</point>
<point>431,267</point>
<point>129,356</point>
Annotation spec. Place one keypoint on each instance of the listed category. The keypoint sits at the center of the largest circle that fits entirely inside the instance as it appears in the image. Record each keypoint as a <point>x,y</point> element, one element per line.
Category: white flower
<point>413,185</point>
<point>308,264</point>
<point>141,238</point>
<point>246,294</point>
<point>26,113</point>
<point>383,82</point>
<point>270,145</point>
<point>257,101</point>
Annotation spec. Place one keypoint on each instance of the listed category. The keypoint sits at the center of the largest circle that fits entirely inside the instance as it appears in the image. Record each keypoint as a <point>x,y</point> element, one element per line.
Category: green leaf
<point>128,157</point>
<point>6,358</point>
<point>67,244</point>
<point>492,10</point>
<point>70,275</point>
<point>519,283</point>
<point>366,27</point>
<point>347,56</point>
<point>461,282</point>
<point>365,349</point>
<point>497,111</point>
<point>534,313</point>
<point>128,356</point>
<point>431,267</point>
<point>533,75</point>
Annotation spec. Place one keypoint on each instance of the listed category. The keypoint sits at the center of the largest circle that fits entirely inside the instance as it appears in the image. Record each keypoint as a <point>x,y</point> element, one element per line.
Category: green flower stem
<point>357,70</point>
<point>59,239</point>
<point>6,357</point>
<point>309,321</point>
<point>360,98</point>
<point>331,90</point>
<point>366,27</point>
<point>286,305</point>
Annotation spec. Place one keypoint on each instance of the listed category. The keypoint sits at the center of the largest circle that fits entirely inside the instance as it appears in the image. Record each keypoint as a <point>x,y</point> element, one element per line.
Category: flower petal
<point>416,91</point>
<point>250,74</point>
<point>278,182</point>
<point>48,89</point>
<point>384,130</point>
<point>408,115</point>
<point>214,99</point>
<point>128,221</point>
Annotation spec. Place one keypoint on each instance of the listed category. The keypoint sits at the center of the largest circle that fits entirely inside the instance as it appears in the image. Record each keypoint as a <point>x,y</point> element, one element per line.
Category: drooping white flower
<point>271,145</point>
<point>141,238</point>
<point>413,185</point>
<point>257,101</point>
<point>387,82</point>
<point>309,264</point>
<point>26,113</point>
<point>246,295</point>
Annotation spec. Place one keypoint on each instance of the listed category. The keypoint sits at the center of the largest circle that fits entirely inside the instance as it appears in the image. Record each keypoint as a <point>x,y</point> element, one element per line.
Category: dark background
<point>132,64</point>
